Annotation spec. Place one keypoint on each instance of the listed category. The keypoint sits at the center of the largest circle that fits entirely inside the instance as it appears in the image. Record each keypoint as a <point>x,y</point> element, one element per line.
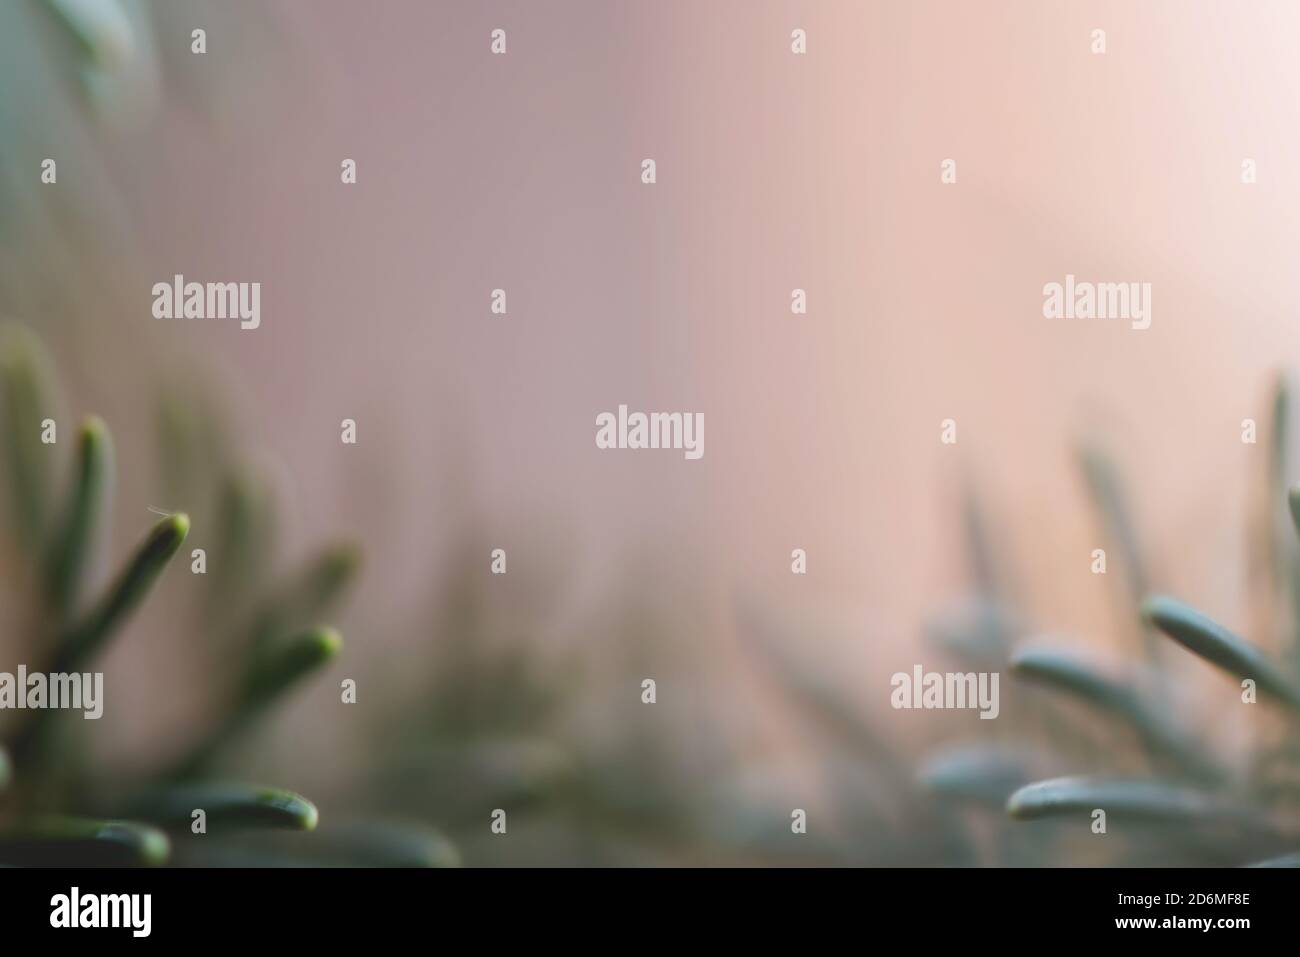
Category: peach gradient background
<point>775,171</point>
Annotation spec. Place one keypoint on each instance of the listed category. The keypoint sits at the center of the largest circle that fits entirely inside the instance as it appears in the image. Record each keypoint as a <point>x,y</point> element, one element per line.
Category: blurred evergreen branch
<point>1189,807</point>
<point>280,648</point>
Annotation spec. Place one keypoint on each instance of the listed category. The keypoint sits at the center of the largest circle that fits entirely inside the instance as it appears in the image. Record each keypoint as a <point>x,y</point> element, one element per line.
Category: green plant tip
<point>1137,798</point>
<point>278,670</point>
<point>305,813</point>
<point>149,844</point>
<point>159,546</point>
<point>93,429</point>
<point>228,806</point>
<point>1207,638</point>
<point>270,675</point>
<point>70,549</point>
<point>1119,698</point>
<point>164,538</point>
<point>327,641</point>
<point>1076,676</point>
<point>68,841</point>
<point>178,525</point>
<point>277,807</point>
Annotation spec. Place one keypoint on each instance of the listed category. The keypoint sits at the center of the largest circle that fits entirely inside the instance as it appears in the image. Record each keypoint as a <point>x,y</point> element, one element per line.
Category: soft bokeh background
<point>775,171</point>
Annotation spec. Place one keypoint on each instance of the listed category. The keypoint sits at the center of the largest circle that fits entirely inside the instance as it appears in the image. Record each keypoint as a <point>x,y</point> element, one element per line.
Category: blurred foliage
<point>1125,741</point>
<point>486,721</point>
<point>79,81</point>
<point>1075,735</point>
<point>60,807</point>
<point>489,721</point>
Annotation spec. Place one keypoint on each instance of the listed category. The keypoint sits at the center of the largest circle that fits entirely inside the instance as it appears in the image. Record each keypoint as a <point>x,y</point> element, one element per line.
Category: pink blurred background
<point>775,171</point>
